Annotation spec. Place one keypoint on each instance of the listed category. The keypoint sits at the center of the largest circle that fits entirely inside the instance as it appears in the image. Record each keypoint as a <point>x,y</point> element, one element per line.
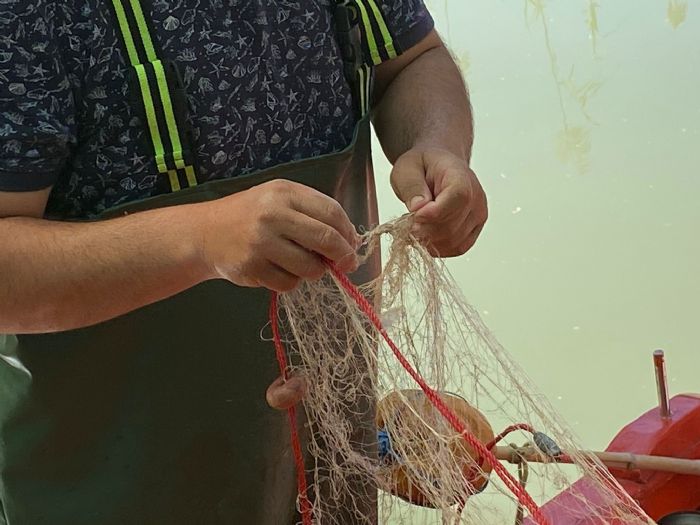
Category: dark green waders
<point>159,416</point>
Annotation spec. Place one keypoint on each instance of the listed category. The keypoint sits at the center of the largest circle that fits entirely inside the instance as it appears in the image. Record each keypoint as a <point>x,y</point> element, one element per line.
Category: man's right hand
<point>273,236</point>
<point>57,276</point>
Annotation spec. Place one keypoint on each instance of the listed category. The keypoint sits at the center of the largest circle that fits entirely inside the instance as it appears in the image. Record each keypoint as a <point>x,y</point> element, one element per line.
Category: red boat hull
<point>658,493</point>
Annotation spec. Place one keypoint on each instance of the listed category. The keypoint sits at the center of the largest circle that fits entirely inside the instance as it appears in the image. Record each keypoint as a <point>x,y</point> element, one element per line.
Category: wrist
<point>193,251</point>
<point>454,149</point>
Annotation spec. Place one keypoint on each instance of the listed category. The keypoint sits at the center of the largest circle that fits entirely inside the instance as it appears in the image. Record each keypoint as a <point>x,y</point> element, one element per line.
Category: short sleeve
<point>390,27</point>
<point>37,110</point>
<point>409,21</point>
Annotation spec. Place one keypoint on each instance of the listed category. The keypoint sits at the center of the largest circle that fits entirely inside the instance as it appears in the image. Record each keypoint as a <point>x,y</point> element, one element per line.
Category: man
<point>161,161</point>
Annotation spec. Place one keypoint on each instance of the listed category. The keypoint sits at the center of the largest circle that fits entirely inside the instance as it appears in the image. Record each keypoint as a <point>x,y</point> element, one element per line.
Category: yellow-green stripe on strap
<point>135,32</point>
<point>386,35</point>
<point>189,173</point>
<point>170,121</point>
<point>364,74</point>
<point>151,117</point>
<point>126,33</point>
<point>164,92</point>
<point>174,182</point>
<point>371,42</point>
<point>143,30</point>
<point>363,90</point>
<point>368,88</point>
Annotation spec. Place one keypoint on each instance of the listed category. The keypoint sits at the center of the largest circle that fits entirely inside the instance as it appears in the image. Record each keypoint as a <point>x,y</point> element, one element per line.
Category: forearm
<point>426,106</point>
<point>58,276</point>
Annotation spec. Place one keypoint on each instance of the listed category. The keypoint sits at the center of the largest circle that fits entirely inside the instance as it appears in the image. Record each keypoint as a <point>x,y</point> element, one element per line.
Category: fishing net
<point>447,401</point>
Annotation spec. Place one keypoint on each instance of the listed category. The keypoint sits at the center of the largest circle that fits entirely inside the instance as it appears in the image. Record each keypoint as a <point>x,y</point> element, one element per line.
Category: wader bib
<point>159,416</point>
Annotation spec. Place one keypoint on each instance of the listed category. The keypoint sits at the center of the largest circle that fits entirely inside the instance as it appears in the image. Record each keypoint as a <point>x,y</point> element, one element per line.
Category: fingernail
<point>415,202</point>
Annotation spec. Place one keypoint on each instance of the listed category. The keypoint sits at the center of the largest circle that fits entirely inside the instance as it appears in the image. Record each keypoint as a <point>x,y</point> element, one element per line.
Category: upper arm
<point>387,71</point>
<point>37,114</point>
<point>395,33</point>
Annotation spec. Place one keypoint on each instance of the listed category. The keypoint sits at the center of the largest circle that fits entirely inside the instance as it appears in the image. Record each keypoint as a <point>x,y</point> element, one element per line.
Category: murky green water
<point>588,144</point>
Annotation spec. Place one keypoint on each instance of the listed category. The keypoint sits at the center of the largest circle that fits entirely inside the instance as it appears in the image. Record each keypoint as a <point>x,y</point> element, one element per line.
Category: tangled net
<point>407,353</point>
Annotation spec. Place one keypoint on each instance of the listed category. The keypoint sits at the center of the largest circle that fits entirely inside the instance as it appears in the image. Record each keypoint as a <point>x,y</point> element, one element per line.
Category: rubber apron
<point>159,416</point>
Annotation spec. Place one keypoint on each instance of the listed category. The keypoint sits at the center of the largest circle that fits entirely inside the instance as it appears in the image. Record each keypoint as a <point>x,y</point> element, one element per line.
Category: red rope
<point>304,503</point>
<point>508,480</point>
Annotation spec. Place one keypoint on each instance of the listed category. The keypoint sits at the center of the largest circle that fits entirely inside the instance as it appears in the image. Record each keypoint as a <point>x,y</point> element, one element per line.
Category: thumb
<point>283,394</point>
<point>408,181</point>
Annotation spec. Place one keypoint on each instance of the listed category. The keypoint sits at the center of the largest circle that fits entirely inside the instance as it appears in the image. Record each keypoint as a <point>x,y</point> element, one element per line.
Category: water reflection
<point>676,12</point>
<point>573,145</point>
<point>572,142</point>
<point>592,21</point>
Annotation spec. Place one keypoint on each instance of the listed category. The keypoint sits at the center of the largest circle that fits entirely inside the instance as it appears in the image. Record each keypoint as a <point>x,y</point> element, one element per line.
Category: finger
<point>464,238</point>
<point>320,238</point>
<point>327,210</point>
<point>458,243</point>
<point>450,233</point>
<point>471,239</point>
<point>408,181</point>
<point>297,260</point>
<point>454,199</point>
<point>283,394</point>
<point>275,278</point>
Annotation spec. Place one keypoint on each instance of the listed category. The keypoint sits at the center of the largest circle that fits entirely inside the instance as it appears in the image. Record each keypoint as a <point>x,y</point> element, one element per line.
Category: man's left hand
<point>445,195</point>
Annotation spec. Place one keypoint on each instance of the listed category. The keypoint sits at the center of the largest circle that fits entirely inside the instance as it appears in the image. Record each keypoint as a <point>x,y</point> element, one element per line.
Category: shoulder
<point>391,27</point>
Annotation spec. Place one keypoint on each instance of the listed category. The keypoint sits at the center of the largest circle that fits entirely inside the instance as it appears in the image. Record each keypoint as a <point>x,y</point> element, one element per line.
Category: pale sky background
<point>590,259</point>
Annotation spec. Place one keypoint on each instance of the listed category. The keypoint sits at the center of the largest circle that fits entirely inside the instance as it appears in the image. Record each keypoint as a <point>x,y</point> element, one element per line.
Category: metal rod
<point>662,384</point>
<point>618,460</point>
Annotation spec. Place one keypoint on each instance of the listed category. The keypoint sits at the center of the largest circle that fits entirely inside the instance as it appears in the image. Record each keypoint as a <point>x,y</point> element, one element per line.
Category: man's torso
<point>264,85</point>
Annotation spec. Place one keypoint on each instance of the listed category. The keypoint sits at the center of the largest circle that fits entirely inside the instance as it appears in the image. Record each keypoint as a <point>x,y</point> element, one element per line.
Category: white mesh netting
<point>421,458</point>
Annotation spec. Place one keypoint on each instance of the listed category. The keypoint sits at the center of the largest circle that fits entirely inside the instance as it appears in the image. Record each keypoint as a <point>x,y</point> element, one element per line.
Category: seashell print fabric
<point>263,79</point>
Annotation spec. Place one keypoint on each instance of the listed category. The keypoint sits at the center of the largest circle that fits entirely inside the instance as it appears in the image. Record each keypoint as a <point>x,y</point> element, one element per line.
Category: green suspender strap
<point>157,85</point>
<point>375,31</point>
<point>365,42</point>
<point>365,75</point>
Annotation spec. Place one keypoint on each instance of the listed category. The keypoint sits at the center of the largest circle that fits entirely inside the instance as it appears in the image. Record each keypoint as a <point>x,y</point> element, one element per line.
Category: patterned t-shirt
<point>263,79</point>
